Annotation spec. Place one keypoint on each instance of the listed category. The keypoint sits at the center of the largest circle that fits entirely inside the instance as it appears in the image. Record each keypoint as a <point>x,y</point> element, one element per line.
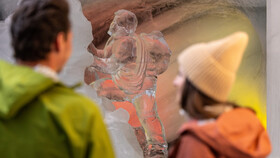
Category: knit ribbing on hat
<point>212,66</point>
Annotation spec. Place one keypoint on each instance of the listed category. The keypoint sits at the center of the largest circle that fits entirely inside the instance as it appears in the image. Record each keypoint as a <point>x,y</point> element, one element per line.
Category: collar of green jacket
<point>19,85</point>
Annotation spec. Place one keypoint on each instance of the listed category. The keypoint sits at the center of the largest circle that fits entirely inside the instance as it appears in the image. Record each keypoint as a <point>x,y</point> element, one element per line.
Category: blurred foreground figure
<point>218,128</point>
<point>126,70</point>
<point>39,116</point>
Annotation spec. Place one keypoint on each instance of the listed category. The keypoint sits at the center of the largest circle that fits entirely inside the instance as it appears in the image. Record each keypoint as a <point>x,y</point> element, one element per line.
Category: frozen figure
<point>126,70</point>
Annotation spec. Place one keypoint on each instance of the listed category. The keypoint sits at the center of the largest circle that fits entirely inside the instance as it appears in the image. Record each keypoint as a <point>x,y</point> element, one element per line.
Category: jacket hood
<point>237,133</point>
<point>18,86</point>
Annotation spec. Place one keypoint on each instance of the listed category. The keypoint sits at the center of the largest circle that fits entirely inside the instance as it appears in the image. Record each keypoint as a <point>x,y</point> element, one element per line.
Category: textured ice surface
<point>122,134</point>
<point>123,137</point>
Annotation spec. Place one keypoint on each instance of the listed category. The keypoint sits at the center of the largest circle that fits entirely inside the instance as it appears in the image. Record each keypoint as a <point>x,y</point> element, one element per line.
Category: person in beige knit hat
<point>217,127</point>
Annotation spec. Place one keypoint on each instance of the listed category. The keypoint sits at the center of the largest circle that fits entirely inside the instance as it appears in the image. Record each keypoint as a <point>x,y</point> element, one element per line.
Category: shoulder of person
<point>65,98</point>
<point>190,145</point>
<point>239,116</point>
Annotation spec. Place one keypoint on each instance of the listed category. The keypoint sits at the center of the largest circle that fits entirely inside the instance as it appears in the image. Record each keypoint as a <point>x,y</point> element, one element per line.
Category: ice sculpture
<point>126,70</point>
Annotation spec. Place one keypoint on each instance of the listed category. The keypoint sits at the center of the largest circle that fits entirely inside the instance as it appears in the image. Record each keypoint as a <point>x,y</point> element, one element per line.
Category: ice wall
<point>273,76</point>
<point>6,8</point>
<point>5,48</point>
<point>73,71</point>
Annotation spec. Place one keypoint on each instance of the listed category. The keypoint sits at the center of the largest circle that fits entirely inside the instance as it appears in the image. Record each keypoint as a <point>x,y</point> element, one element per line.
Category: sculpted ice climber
<point>127,69</point>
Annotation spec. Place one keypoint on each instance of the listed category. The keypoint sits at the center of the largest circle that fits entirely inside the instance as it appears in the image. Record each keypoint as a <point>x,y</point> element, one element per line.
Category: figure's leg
<point>146,109</point>
<point>141,137</point>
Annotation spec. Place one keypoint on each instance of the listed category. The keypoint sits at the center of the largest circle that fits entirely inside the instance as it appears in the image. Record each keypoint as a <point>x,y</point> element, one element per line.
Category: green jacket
<point>43,119</point>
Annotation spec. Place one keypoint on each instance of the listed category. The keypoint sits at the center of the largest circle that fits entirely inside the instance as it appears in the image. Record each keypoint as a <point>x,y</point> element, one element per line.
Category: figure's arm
<point>106,53</point>
<point>159,52</point>
<point>101,59</point>
<point>96,52</point>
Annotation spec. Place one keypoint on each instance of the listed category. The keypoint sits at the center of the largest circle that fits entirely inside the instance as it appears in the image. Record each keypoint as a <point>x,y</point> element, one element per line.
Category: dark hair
<point>35,26</point>
<point>193,102</point>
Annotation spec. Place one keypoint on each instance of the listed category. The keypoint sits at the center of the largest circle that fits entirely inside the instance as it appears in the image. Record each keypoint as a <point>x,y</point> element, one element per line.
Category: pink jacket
<point>235,134</point>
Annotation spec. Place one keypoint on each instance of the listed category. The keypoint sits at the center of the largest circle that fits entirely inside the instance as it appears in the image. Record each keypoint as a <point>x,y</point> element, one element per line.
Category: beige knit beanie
<point>212,66</point>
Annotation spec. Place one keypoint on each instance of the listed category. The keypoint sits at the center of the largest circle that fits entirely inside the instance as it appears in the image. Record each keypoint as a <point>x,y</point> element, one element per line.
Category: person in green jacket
<point>39,116</point>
